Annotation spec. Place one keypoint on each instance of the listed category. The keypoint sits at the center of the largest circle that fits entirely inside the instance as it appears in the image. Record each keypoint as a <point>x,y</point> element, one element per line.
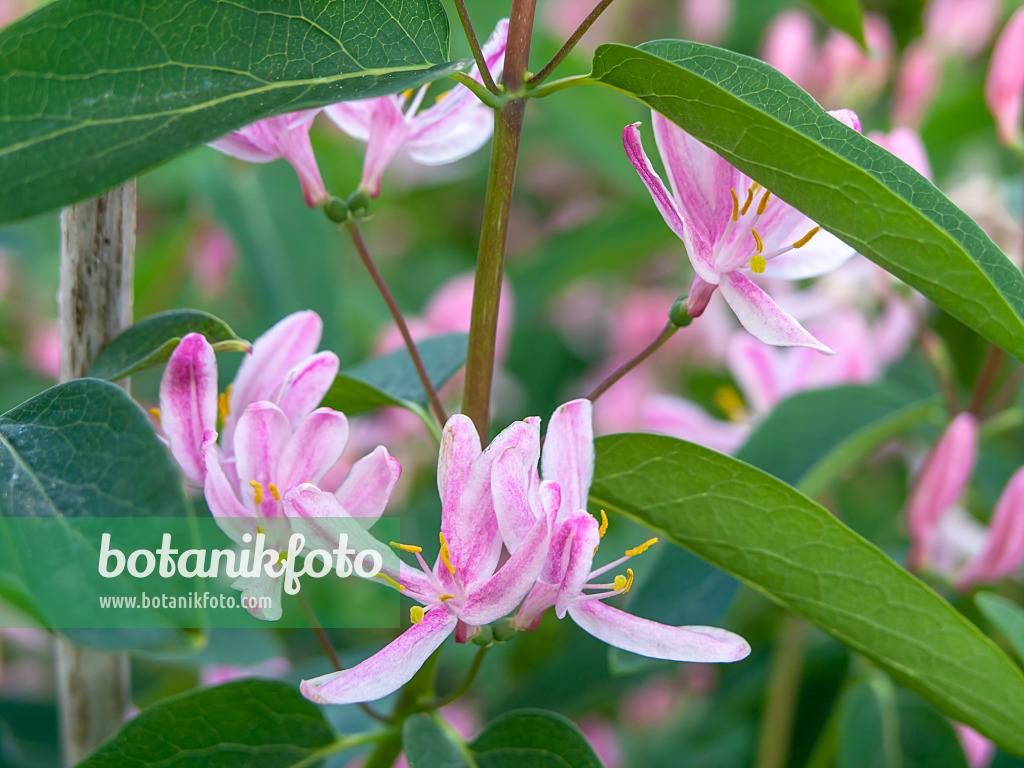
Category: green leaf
<point>1006,616</point>
<point>252,722</point>
<point>392,379</point>
<point>520,758</point>
<point>77,452</point>
<point>534,730</point>
<point>844,15</point>
<point>96,91</point>
<point>763,124</point>
<point>810,438</point>
<point>151,341</point>
<point>426,745</point>
<point>780,542</point>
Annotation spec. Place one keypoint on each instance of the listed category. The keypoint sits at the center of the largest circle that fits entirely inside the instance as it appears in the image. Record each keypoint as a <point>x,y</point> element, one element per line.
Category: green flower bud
<point>336,210</point>
<point>678,315</point>
<point>359,204</point>
<point>503,630</point>
<point>484,637</point>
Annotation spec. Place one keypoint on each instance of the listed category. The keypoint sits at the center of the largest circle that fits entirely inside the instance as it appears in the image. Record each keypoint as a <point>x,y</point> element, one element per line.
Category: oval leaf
<point>426,745</point>
<point>535,731</point>
<point>844,15</point>
<point>784,545</point>
<point>252,722</point>
<point>770,129</point>
<point>151,341</point>
<point>1006,616</point>
<point>95,91</point>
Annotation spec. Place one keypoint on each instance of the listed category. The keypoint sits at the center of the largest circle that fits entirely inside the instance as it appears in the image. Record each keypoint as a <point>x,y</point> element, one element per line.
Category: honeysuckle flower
<point>284,136</point>
<point>917,82</point>
<point>703,21</point>
<point>943,536</point>
<point>283,368</point>
<point>960,27</point>
<point>465,588</point>
<point>270,487</point>
<point>1004,85</point>
<point>731,228</point>
<point>569,582</point>
<point>454,127</point>
<point>978,750</point>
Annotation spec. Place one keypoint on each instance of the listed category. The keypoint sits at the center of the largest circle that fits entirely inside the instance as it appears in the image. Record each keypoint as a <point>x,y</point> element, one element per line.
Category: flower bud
<point>358,204</point>
<point>336,210</point>
<point>678,315</point>
<point>503,630</point>
<point>484,637</point>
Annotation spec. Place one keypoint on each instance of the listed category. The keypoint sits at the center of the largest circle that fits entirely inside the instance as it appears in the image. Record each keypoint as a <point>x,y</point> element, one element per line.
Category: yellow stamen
<point>259,529</point>
<point>442,598</point>
<point>757,240</point>
<point>730,403</point>
<point>391,581</point>
<point>642,548</point>
<point>629,579</point>
<point>406,547</point>
<point>224,403</point>
<point>407,94</point>
<point>282,557</point>
<point>755,186</point>
<point>758,264</point>
<point>604,525</point>
<point>416,614</point>
<point>620,581</point>
<point>764,202</point>
<point>257,490</point>
<point>750,199</point>
<point>446,556</point>
<point>155,413</point>
<point>806,238</point>
<point>273,491</point>
<point>442,95</point>
<point>735,205</point>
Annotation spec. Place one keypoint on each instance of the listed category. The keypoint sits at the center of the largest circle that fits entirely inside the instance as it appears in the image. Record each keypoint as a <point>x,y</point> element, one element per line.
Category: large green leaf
<point>784,545</point>
<point>248,723</point>
<point>534,737</point>
<point>95,91</point>
<point>774,132</point>
<point>426,745</point>
<point>70,458</point>
<point>1006,616</point>
<point>151,341</point>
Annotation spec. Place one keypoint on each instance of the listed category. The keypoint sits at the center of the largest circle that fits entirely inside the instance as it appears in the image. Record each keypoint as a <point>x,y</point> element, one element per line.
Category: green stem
<point>474,45</point>
<point>455,738</point>
<point>557,85</point>
<point>986,379</point>
<point>388,749</point>
<point>470,677</point>
<point>342,743</point>
<point>667,332</point>
<point>491,100</point>
<point>354,231</point>
<point>783,693</point>
<point>508,126</point>
<point>566,49</point>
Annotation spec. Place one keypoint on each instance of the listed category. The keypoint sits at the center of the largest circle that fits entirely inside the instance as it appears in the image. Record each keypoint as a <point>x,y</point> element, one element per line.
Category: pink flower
<point>284,136</point>
<point>789,46</point>
<point>907,145</point>
<point>465,588</point>
<point>960,27</point>
<point>283,368</point>
<point>703,21</point>
<point>42,350</point>
<point>943,536</point>
<point>212,256</point>
<point>453,128</point>
<point>218,674</point>
<point>978,750</point>
<point>916,83</point>
<point>1004,86</point>
<point>731,227</point>
<point>568,581</point>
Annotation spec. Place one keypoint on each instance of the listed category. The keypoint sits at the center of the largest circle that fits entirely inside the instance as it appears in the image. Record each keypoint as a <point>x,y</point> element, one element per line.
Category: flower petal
<point>512,483</point>
<point>232,517</point>
<point>388,131</point>
<point>582,540</point>
<point>762,316</point>
<point>387,670</point>
<point>365,492</point>
<point>259,590</point>
<point>313,449</point>
<point>305,385</point>
<point>698,248</point>
<point>262,434</point>
<point>676,417</point>
<point>276,352</point>
<point>824,253</point>
<point>1003,553</point>
<point>658,641</point>
<point>188,402</point>
<point>569,453</point>
<point>1004,85</point>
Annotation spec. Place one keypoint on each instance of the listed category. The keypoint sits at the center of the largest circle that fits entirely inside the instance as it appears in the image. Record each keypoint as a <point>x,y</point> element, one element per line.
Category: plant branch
<point>470,677</point>
<point>341,743</point>
<point>986,379</point>
<point>508,126</point>
<point>357,240</point>
<point>474,45</point>
<point>667,332</point>
<point>566,49</point>
<point>783,692</point>
<point>491,100</point>
<point>332,654</point>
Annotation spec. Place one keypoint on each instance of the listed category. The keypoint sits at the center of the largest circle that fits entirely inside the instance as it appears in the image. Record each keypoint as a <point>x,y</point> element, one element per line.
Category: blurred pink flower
<point>5,272</point>
<point>601,735</point>
<point>978,750</point>
<point>1004,86</point>
<point>705,21</point>
<point>960,27</point>
<point>212,255</point>
<point>943,536</point>
<point>11,10</point>
<point>562,17</point>
<point>284,136</point>
<point>453,128</point>
<point>218,674</point>
<point>917,82</point>
<point>790,47</point>
<point>42,350</point>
